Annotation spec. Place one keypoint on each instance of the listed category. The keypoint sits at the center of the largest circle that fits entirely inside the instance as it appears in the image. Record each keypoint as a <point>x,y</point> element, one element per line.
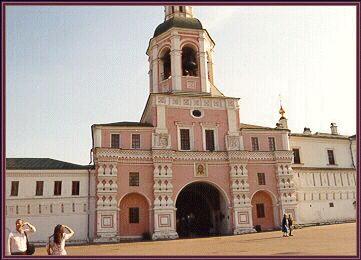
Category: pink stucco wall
<point>145,189</point>
<point>126,138</point>
<point>196,82</point>
<point>145,180</point>
<point>270,175</point>
<point>210,116</point>
<point>262,140</point>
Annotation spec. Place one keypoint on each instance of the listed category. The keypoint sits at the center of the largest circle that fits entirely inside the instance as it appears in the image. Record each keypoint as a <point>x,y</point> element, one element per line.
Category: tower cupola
<point>181,54</point>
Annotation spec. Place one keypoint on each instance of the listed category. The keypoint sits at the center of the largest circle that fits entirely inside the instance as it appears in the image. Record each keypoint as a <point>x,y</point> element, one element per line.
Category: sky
<point>70,67</point>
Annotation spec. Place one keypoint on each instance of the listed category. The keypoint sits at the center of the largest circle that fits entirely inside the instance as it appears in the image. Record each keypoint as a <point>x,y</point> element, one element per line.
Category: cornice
<point>109,154</point>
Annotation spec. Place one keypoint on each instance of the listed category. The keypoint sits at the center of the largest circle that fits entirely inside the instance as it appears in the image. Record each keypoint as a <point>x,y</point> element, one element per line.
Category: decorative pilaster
<point>164,208</point>
<point>176,60</point>
<point>242,207</point>
<point>107,208</point>
<point>286,189</point>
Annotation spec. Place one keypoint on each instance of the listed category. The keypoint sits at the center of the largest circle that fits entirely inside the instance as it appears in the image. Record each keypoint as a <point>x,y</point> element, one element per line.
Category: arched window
<point>189,62</point>
<point>165,66</point>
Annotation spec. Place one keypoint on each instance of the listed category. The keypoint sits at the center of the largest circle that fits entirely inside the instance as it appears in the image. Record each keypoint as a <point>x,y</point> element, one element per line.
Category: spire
<point>281,111</point>
<point>282,122</point>
<point>177,10</point>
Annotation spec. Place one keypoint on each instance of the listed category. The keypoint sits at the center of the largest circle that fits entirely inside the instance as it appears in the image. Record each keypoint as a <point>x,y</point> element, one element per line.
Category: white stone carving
<point>161,141</point>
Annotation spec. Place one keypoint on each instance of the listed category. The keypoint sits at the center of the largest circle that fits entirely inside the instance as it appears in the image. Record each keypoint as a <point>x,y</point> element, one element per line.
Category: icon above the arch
<point>200,170</point>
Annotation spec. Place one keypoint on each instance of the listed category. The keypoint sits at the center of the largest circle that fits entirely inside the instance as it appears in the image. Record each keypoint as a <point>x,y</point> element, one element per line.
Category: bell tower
<point>181,54</point>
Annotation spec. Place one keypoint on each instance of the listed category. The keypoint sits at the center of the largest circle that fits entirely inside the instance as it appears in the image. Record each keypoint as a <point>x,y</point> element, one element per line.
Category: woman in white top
<point>56,244</point>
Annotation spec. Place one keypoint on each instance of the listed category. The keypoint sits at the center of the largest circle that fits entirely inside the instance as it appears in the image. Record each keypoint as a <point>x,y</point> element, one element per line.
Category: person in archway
<point>285,225</point>
<point>290,223</point>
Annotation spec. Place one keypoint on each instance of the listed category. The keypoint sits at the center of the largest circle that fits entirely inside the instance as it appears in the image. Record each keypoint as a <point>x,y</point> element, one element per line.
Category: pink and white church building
<point>189,166</point>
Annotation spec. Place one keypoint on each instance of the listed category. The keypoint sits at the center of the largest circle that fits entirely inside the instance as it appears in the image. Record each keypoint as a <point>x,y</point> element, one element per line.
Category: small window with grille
<point>136,141</point>
<point>134,179</point>
<point>133,215</point>
<point>255,146</point>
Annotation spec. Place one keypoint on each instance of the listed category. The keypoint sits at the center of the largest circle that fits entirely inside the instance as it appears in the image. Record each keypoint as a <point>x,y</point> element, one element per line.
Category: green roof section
<point>126,124</point>
<point>179,22</point>
<point>41,164</point>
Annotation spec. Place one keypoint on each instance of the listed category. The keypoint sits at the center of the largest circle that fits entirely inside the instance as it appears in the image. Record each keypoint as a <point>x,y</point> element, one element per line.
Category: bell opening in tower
<point>166,64</point>
<point>189,62</point>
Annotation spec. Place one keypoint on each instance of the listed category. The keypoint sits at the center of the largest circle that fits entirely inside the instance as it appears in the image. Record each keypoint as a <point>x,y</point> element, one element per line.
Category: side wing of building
<point>325,177</point>
<point>47,192</point>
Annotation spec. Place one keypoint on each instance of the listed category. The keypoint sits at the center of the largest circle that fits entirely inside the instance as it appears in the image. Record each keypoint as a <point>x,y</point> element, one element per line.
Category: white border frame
<point>300,154</point>
<point>210,126</point>
<point>201,110</point>
<point>190,127</point>
<point>110,139</point>
<point>131,141</point>
<point>334,157</point>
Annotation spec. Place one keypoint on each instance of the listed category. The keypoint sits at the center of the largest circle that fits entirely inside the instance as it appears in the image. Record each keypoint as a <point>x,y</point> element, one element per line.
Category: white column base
<point>245,230</point>
<point>164,235</point>
<point>106,239</point>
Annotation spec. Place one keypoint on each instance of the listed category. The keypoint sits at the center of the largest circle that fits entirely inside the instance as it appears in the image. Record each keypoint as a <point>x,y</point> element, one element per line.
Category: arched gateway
<point>264,215</point>
<point>133,215</point>
<point>201,211</point>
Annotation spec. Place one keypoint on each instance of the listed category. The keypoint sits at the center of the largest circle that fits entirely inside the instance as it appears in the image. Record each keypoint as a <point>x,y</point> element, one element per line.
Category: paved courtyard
<point>320,240</point>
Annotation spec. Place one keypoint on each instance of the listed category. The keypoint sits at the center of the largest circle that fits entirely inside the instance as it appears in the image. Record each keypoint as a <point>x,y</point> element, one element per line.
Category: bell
<point>191,65</point>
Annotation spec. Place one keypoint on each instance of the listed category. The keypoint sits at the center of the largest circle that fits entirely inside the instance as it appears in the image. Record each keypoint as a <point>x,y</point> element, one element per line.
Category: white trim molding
<point>210,126</point>
<point>190,127</point>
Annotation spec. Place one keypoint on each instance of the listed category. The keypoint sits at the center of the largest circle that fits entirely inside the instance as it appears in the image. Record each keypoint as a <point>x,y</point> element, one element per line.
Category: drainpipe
<point>353,162</point>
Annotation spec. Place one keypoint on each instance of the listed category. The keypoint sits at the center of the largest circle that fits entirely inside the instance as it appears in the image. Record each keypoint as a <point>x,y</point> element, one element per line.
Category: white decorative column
<point>164,208</point>
<point>242,208</point>
<point>154,65</point>
<point>286,190</point>
<point>106,207</point>
<point>176,62</point>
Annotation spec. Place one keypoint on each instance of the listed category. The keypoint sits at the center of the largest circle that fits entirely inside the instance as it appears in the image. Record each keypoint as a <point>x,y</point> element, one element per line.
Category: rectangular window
<point>133,215</point>
<point>75,187</point>
<point>209,140</point>
<point>39,188</point>
<point>115,142</point>
<point>271,143</point>
<point>260,210</point>
<point>261,178</point>
<point>134,179</point>
<point>14,188</point>
<point>331,205</point>
<point>136,141</point>
<point>255,146</point>
<point>184,139</point>
<point>331,158</point>
<point>57,188</point>
<point>296,156</point>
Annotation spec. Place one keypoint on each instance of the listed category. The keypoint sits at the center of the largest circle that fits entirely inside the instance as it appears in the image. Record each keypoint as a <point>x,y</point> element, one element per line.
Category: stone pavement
<point>337,239</point>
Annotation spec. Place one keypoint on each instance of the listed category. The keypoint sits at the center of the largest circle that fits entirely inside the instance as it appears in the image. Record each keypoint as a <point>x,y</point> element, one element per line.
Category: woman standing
<point>285,226</point>
<point>290,224</point>
<point>56,244</point>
